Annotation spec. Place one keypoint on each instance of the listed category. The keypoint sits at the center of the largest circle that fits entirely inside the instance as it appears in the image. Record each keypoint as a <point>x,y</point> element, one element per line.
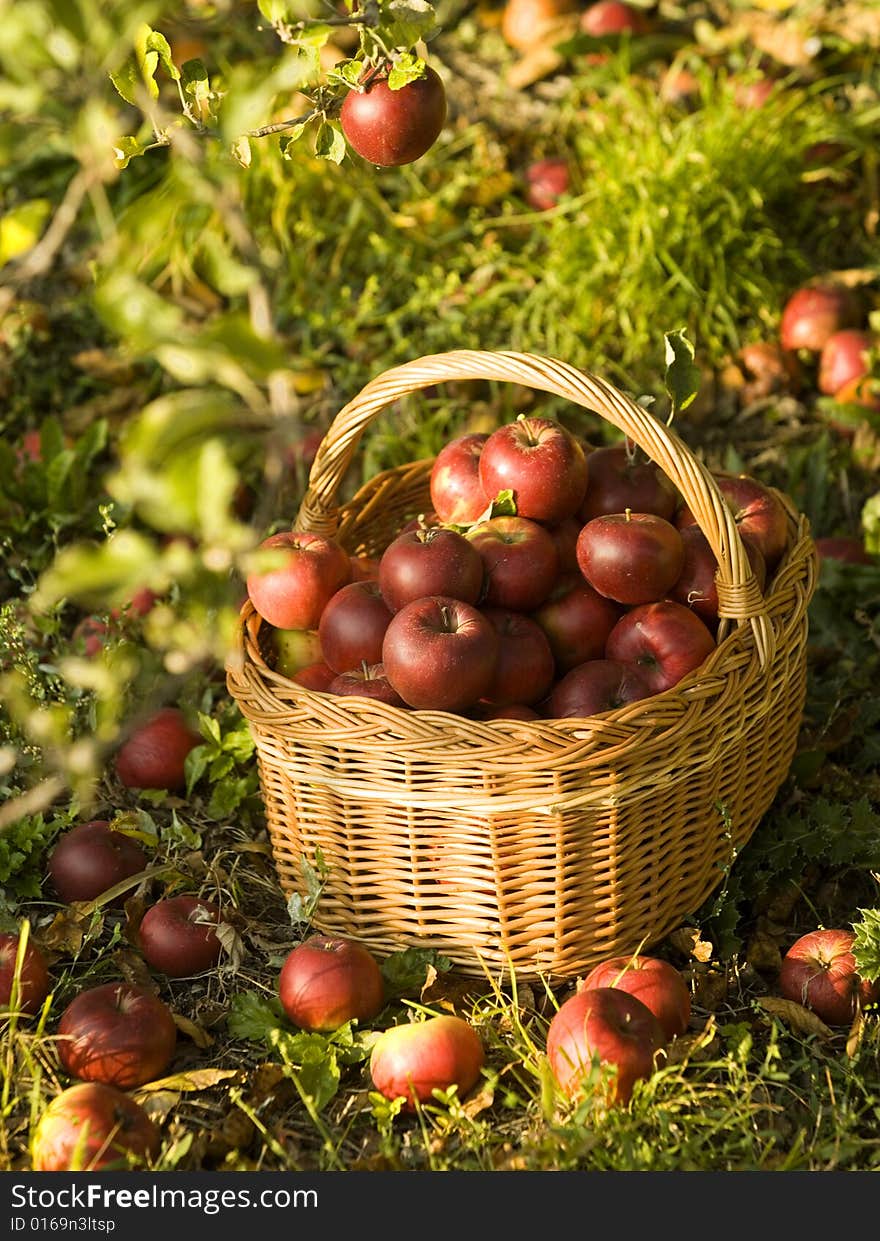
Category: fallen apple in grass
<point>154,754</point>
<point>33,977</point>
<point>328,980</point>
<point>93,1127</point>
<point>546,181</point>
<point>819,971</point>
<point>178,935</point>
<point>845,358</point>
<point>393,127</point>
<point>814,312</point>
<point>92,857</point>
<point>412,1061</point>
<point>118,1034</point>
<point>657,983</point>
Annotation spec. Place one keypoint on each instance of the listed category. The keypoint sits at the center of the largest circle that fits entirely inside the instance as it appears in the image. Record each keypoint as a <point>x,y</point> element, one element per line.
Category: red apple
<point>154,754</point>
<point>118,1034</point>
<point>546,181</point>
<point>843,547</point>
<point>178,935</point>
<point>630,557</point>
<point>844,359</point>
<point>295,649</point>
<point>604,1026</point>
<point>595,686</point>
<point>328,980</point>
<point>436,561</point>
<point>863,390</point>
<point>621,478</point>
<point>440,653</point>
<point>92,857</point>
<point>456,492</point>
<point>89,635</point>
<point>565,537</point>
<point>814,312</point>
<point>92,1127</point>
<point>695,586</point>
<point>316,676</point>
<point>525,666</point>
<point>759,514</point>
<point>613,17</point>
<point>294,595</point>
<point>412,1061</point>
<point>520,562</point>
<point>665,639</point>
<point>353,625</point>
<point>514,711</point>
<point>753,92</point>
<point>368,681</point>
<point>819,971</point>
<point>769,368</point>
<point>541,462</point>
<point>33,978</point>
<point>138,604</point>
<point>652,980</point>
<point>577,621</point>
<point>392,127</point>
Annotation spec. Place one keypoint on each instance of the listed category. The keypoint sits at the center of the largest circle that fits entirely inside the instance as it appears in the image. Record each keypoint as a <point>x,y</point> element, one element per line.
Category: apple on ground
<point>862,390</point>
<point>769,368</point>
<point>546,181</point>
<point>577,621</point>
<point>440,653</point>
<point>393,127</point>
<point>328,980</point>
<point>294,593</point>
<point>666,640</point>
<point>613,17</point>
<point>819,971</point>
<point>525,23</point>
<point>525,666</point>
<point>454,485</point>
<point>816,311</point>
<point>411,1061</point>
<point>178,935</point>
<point>621,477</point>
<point>368,681</point>
<point>116,1033</point>
<point>654,981</point>
<point>520,562</point>
<point>604,1026</point>
<point>89,635</point>
<point>595,686</point>
<point>541,462</point>
<point>92,857</point>
<point>435,561</point>
<point>294,649</point>
<point>352,627</point>
<point>33,974</point>
<point>630,557</point>
<point>93,1127</point>
<point>844,358</point>
<point>844,547</point>
<point>153,756</point>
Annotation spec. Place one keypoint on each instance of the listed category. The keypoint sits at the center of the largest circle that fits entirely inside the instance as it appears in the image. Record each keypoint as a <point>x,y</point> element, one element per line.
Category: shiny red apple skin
<point>612,1026</point>
<point>525,667</point>
<point>456,493</point>
<point>620,480</point>
<point>613,17</point>
<point>666,640</point>
<point>328,980</point>
<point>92,1127</point>
<point>440,654</point>
<point>630,557</point>
<point>656,982</point>
<point>394,127</point>
<point>812,313</point>
<point>520,562</point>
<point>565,536</point>
<point>413,1060</point>
<point>695,586</point>
<point>90,858</point>
<point>514,711</point>
<point>294,595</point>
<point>352,626</point>
<point>436,561</point>
<point>316,676</point>
<point>368,681</point>
<point>177,935</point>
<point>844,358</point>
<point>541,462</point>
<point>819,971</point>
<point>33,983</point>
<point>153,756</point>
<point>577,621</point>
<point>759,514</point>
<point>118,1034</point>
<point>595,686</point>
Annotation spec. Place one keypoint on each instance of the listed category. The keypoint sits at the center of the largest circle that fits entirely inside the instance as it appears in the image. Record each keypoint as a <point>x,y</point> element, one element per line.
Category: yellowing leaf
<point>193,1030</point>
<point>188,1083</point>
<point>796,1016</point>
<point>20,228</point>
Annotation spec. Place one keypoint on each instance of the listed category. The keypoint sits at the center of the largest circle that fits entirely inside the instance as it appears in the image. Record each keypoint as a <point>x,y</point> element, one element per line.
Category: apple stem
<point>628,513</point>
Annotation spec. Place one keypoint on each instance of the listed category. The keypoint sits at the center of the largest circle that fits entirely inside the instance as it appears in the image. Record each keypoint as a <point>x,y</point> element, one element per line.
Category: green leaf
<point>128,81</point>
<point>194,77</point>
<point>330,142</point>
<point>20,228</point>
<point>254,1017</point>
<point>291,137</point>
<point>682,377</point>
<point>407,69</point>
<point>157,43</point>
<point>128,148</point>
<point>274,10</point>
<point>96,575</point>
<point>407,21</point>
<point>406,972</point>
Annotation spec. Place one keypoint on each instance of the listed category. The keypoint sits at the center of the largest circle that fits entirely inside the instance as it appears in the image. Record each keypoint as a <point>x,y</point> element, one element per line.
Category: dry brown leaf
<point>763,953</point>
<point>188,1083</point>
<point>795,1015</point>
<point>687,940</point>
<point>710,990</point>
<point>790,42</point>
<point>67,930</point>
<point>134,970</point>
<point>854,1038</point>
<point>193,1030</point>
<point>103,365</point>
<point>232,944</point>
<point>478,1102</point>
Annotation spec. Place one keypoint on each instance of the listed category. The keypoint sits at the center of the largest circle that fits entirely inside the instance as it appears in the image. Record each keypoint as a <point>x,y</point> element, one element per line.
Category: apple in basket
<point>456,492</point>
<point>294,592</point>
<point>621,478</point>
<point>819,971</point>
<point>595,686</point>
<point>666,640</point>
<point>520,562</point>
<point>525,666</point>
<point>440,654</point>
<point>541,462</point>
<point>759,514</point>
<point>432,561</point>
<point>656,982</point>
<point>413,1060</point>
<point>630,557</point>
<point>368,681</point>
<point>118,1034</point>
<point>328,980</point>
<point>352,626</point>
<point>695,586</point>
<point>294,649</point>
<point>93,1127</point>
<point>577,621</point>
<point>604,1026</point>
<point>33,978</point>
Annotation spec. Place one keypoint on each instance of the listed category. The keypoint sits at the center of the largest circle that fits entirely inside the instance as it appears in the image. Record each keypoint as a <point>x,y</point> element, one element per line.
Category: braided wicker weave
<point>534,847</point>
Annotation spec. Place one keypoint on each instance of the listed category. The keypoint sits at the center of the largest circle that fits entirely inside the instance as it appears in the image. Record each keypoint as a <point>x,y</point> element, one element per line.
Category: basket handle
<point>739,596</point>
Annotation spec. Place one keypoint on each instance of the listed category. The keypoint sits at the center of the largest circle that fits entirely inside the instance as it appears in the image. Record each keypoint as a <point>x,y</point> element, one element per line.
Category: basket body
<point>535,847</point>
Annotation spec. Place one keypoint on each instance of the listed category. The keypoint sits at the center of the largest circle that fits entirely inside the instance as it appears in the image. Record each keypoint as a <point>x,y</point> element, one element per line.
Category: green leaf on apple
<point>406,69</point>
<point>682,377</point>
<point>330,142</point>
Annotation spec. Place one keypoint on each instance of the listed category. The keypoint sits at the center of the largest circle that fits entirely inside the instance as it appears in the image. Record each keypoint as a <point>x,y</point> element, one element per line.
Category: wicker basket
<point>536,847</point>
